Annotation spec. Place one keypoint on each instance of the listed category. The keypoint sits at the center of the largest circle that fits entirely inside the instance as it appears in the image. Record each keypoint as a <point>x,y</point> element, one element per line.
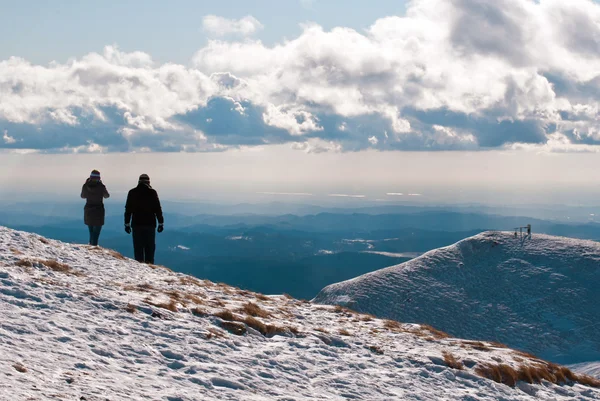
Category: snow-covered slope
<point>540,294</point>
<point>587,368</point>
<point>82,323</point>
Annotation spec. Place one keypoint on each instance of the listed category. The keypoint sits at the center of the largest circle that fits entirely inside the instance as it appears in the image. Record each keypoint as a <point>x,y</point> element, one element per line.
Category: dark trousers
<point>94,234</point>
<point>144,243</point>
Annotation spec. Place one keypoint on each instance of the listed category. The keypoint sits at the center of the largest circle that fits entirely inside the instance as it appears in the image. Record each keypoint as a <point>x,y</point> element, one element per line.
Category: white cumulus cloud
<point>219,26</point>
<point>448,75</point>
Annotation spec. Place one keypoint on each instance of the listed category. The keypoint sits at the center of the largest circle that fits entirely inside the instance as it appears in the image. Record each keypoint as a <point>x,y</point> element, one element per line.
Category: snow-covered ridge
<point>83,323</point>
<point>539,294</point>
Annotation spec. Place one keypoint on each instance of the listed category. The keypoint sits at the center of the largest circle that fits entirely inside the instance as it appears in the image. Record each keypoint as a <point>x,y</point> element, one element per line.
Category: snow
<point>587,368</point>
<point>84,323</point>
<point>536,294</point>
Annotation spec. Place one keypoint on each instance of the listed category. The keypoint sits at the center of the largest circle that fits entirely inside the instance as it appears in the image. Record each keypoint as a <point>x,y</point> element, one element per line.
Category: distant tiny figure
<point>94,191</point>
<point>529,230</point>
<point>515,234</point>
<point>142,210</point>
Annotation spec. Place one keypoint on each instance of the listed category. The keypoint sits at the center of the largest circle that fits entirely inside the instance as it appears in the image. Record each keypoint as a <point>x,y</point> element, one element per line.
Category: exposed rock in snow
<point>84,323</point>
<point>539,295</point>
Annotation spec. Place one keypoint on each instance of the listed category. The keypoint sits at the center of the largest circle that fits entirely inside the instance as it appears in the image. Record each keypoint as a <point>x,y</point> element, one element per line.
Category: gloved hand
<point>160,228</point>
<point>127,228</point>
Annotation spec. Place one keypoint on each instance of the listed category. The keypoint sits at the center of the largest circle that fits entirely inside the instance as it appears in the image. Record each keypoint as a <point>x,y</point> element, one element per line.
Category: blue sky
<point>171,31</point>
<point>389,96</point>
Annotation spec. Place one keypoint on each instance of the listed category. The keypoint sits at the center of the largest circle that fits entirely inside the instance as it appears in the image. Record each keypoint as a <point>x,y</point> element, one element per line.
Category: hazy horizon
<point>421,101</point>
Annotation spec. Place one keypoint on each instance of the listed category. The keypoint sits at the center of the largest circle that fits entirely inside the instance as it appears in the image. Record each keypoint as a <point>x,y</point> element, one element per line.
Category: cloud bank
<point>449,75</point>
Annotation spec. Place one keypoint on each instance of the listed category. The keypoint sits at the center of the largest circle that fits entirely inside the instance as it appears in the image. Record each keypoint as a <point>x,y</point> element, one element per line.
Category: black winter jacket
<point>93,212</point>
<point>143,204</point>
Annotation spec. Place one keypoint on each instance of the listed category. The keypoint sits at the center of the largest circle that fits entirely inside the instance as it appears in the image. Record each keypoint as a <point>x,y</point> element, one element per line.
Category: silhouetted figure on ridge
<point>142,210</point>
<point>94,191</point>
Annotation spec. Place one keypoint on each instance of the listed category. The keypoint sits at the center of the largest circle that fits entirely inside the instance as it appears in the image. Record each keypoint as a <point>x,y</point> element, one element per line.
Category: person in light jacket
<point>94,191</point>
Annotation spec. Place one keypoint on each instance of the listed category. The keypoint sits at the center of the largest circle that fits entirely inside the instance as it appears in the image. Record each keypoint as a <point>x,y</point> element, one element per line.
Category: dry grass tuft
<point>199,312</point>
<point>187,280</point>
<point>534,374</point>
<point>43,240</point>
<point>344,310</point>
<point>392,325</point>
<point>451,361</point>
<point>194,298</point>
<point>154,267</point>
<point>344,332</point>
<point>588,381</point>
<point>267,330</point>
<point>212,332</point>
<point>438,334</point>
<point>262,297</point>
<point>367,317</point>
<point>56,266</point>
<point>322,330</point>
<point>253,309</point>
<point>496,344</point>
<point>19,367</point>
<point>171,305</point>
<point>131,308</point>
<point>234,328</point>
<point>478,345</point>
<point>225,315</point>
<point>375,349</point>
<point>15,251</point>
<point>116,254</point>
<point>288,296</point>
<point>24,263</point>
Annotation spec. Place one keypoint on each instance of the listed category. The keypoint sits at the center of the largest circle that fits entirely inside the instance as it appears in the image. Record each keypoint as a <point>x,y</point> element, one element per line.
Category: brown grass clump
<point>225,315</point>
<point>534,374</point>
<point>375,349</point>
<point>24,263</point>
<point>344,332</point>
<point>478,345</point>
<point>322,330</point>
<point>438,334</point>
<point>154,267</point>
<point>344,310</point>
<point>588,381</point>
<point>267,330</point>
<point>262,297</point>
<point>171,305</point>
<point>253,309</point>
<point>497,344</point>
<point>116,254</point>
<point>234,328</point>
<point>130,308</point>
<point>19,367</point>
<point>199,312</point>
<point>15,251</point>
<point>174,294</point>
<point>194,298</point>
<point>56,266</point>
<point>288,296</point>
<point>451,361</point>
<point>367,317</point>
<point>43,240</point>
<point>392,325</point>
<point>212,332</point>
<point>187,280</point>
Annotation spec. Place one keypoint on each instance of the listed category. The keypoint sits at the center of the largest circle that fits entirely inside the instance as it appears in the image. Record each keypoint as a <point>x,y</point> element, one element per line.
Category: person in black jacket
<point>142,210</point>
<point>94,192</point>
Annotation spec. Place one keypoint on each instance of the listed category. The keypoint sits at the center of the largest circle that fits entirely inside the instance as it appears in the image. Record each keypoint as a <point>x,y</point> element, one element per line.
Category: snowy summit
<point>85,323</point>
<point>538,294</point>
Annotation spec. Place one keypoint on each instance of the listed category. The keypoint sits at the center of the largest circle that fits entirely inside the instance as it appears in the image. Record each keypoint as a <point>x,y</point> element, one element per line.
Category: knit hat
<point>144,178</point>
<point>95,174</point>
